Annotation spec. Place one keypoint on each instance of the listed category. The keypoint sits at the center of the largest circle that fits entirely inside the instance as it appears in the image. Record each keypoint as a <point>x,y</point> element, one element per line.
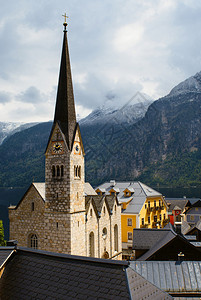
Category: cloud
<point>31,95</point>
<point>116,48</point>
<point>5,97</point>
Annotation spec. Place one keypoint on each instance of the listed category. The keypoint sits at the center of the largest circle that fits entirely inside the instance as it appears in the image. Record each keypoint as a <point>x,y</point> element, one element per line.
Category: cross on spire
<point>65,19</point>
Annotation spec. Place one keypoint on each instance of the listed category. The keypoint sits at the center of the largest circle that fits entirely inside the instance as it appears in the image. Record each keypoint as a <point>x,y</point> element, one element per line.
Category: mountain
<point>127,114</point>
<point>9,128</point>
<point>161,146</point>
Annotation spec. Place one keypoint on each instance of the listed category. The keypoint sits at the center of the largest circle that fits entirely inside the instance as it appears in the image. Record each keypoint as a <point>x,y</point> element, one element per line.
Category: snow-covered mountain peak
<point>192,84</point>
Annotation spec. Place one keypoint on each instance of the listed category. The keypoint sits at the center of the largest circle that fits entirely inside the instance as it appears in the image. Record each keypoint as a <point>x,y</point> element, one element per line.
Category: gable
<point>78,139</point>
<point>31,195</point>
<point>56,135</point>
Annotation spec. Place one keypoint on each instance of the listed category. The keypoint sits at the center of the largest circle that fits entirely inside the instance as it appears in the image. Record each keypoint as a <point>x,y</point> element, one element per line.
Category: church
<point>65,214</point>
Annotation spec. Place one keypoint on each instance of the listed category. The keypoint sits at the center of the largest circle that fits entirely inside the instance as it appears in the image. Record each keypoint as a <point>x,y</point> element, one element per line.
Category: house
<point>142,207</point>
<point>163,244</point>
<point>193,214</point>
<point>33,274</point>
<point>64,214</point>
<point>176,206</point>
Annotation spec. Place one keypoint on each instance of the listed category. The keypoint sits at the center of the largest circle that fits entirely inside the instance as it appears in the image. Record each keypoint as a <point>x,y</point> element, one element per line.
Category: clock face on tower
<point>57,147</point>
<point>77,148</point>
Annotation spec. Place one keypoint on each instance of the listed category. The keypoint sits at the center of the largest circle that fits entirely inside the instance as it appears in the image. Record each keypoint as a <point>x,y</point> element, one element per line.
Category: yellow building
<point>142,207</point>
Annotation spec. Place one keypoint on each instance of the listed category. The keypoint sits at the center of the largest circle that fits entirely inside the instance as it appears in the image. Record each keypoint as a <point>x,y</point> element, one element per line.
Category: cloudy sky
<point>116,47</point>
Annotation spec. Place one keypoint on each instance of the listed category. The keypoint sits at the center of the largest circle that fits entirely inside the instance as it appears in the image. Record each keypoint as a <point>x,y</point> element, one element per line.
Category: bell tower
<point>64,170</point>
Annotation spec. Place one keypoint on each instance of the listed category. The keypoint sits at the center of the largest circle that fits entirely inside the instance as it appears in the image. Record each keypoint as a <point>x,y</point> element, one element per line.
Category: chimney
<point>177,226</point>
<point>180,256</point>
<point>112,182</point>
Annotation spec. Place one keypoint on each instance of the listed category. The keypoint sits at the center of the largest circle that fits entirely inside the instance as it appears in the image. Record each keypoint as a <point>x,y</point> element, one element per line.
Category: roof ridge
<point>73,257</point>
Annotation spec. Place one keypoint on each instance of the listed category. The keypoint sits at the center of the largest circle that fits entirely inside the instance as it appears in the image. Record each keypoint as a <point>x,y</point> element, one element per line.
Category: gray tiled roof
<point>169,236</point>
<point>141,192</point>
<point>142,289</point>
<point>5,252</point>
<point>40,187</point>
<point>181,203</point>
<point>145,238</point>
<point>44,275</point>
<point>171,276</point>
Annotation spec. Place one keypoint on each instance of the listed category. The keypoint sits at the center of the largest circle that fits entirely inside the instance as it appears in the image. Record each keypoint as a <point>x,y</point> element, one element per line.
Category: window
<point>91,213</point>
<point>192,218</point>
<point>159,202</point>
<point>32,206</point>
<point>142,221</point>
<point>104,234</point>
<point>148,219</point>
<point>104,210</point>
<point>62,171</point>
<point>58,171</point>
<point>33,242</point>
<point>145,206</point>
<point>115,208</point>
<point>130,237</point>
<point>154,203</point>
<point>116,238</point>
<point>129,222</point>
<point>160,217</point>
<point>53,171</point>
<point>148,204</point>
<point>77,172</point>
<point>57,225</point>
<point>164,216</point>
<point>91,244</point>
<point>155,218</point>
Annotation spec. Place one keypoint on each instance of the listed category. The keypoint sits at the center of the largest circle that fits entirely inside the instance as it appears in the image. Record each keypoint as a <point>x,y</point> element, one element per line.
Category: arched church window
<point>116,238</point>
<point>53,171</point>
<point>91,213</point>
<point>62,171</point>
<point>58,171</point>
<point>33,241</point>
<point>32,206</point>
<point>104,234</point>
<point>79,171</point>
<point>91,244</point>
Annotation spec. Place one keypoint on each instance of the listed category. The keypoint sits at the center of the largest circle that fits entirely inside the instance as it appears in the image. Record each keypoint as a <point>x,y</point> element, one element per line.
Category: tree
<point>2,241</point>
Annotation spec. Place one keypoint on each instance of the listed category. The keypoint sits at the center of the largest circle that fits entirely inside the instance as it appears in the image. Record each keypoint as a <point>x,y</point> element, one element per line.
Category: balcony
<point>144,226</point>
<point>154,224</point>
<point>165,222</point>
<point>149,209</point>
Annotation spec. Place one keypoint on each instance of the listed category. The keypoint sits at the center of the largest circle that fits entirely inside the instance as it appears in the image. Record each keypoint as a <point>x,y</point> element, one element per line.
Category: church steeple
<point>65,108</point>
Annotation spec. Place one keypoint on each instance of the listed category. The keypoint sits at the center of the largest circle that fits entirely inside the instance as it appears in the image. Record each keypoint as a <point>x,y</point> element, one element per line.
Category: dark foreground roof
<point>5,253</point>
<point>44,275</point>
<point>176,278</point>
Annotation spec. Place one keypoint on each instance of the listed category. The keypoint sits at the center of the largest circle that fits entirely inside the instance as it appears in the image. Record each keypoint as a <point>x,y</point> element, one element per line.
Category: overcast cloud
<point>116,47</point>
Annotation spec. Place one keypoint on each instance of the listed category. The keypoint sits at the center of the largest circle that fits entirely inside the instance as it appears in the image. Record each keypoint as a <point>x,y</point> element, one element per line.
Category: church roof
<point>88,189</point>
<point>35,274</point>
<point>99,200</point>
<point>40,187</point>
<point>65,108</point>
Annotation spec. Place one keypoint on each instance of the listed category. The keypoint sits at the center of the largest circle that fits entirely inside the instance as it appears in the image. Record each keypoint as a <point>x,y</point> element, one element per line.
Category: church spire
<point>65,108</point>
